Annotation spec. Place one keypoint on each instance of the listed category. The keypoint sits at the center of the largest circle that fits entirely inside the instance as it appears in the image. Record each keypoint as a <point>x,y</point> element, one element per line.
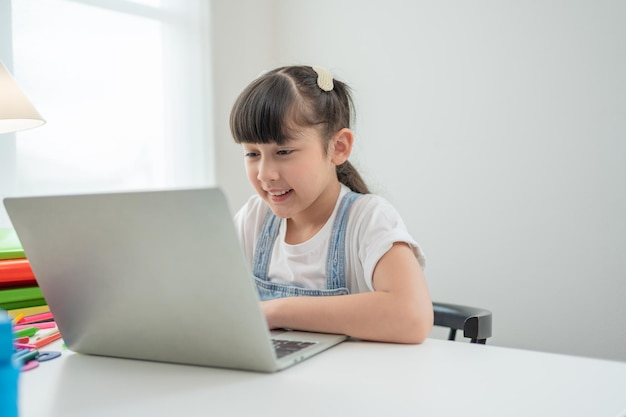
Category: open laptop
<point>153,275</point>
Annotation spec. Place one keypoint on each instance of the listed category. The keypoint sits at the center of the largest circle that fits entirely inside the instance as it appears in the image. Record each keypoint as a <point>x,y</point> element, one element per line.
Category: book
<point>13,298</point>
<point>10,245</point>
<point>28,311</point>
<point>16,273</point>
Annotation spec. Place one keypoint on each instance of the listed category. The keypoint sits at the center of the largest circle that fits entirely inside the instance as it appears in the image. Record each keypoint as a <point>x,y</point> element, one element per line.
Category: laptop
<point>153,275</point>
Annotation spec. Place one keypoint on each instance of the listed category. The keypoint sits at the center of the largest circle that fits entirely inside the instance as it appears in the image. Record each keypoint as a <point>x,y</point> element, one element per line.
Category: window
<point>123,88</point>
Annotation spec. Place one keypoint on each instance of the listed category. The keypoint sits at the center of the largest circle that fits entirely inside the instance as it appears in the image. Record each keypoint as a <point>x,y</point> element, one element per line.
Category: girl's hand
<point>270,309</point>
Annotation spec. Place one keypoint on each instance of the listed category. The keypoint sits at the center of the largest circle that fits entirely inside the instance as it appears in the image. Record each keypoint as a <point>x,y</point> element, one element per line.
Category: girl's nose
<point>267,171</point>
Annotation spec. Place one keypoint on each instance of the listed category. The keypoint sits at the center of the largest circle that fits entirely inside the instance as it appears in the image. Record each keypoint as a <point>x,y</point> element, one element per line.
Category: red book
<point>16,273</point>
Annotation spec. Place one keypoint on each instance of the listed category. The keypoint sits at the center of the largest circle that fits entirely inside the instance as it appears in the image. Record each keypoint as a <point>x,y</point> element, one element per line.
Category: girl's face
<point>297,179</point>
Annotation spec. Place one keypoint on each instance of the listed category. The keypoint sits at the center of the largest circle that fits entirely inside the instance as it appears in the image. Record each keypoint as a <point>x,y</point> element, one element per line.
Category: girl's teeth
<point>281,193</point>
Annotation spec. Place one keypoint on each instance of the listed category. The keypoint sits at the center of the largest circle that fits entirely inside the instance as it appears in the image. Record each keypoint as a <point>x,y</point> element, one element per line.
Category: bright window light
<point>107,84</point>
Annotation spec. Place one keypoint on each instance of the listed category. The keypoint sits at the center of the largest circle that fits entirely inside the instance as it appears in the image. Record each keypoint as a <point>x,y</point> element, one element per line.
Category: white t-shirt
<point>373,227</point>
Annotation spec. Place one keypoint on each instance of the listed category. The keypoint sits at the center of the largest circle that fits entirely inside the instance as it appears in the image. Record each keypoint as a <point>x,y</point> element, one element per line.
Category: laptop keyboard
<point>285,347</point>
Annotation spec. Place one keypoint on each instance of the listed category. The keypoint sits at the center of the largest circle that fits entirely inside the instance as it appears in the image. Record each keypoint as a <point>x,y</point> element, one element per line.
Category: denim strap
<point>335,259</point>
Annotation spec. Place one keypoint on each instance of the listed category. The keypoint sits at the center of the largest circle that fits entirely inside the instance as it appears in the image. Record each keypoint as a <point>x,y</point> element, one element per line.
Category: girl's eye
<point>284,152</point>
<point>250,154</point>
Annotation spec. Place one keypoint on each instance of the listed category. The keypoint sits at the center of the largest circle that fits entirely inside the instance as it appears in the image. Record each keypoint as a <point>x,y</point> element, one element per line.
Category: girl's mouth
<point>279,196</point>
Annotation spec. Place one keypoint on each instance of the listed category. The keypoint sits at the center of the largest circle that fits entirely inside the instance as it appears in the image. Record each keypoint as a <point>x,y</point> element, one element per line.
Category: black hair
<point>285,98</point>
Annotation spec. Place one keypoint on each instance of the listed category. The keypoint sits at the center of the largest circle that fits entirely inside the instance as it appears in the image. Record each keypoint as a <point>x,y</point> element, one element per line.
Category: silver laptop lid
<point>156,275</point>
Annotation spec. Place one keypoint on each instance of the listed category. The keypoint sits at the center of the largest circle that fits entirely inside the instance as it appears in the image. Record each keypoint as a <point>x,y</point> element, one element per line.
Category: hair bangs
<point>262,110</point>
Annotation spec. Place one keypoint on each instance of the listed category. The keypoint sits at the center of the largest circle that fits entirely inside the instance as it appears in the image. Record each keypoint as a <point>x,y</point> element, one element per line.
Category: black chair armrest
<point>475,322</point>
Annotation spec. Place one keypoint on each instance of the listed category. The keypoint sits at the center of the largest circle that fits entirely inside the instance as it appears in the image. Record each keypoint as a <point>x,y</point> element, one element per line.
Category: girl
<point>327,256</point>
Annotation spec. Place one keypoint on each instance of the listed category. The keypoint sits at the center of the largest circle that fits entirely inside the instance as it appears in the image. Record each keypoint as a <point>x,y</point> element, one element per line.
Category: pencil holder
<point>9,371</point>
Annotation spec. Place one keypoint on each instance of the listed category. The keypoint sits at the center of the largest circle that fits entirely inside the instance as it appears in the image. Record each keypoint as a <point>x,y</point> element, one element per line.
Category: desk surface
<point>437,378</point>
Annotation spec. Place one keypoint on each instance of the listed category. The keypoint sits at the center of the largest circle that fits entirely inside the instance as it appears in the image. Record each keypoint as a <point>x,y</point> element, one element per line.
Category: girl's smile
<point>279,196</point>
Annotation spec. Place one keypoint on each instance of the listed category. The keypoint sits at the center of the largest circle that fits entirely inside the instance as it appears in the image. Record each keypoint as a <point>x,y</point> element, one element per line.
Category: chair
<point>475,322</point>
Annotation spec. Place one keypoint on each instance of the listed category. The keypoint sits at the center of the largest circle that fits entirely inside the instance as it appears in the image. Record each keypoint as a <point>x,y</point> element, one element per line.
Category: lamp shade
<point>16,111</point>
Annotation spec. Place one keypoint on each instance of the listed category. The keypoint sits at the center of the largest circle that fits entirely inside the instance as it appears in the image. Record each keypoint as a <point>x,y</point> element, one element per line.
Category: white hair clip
<point>324,78</point>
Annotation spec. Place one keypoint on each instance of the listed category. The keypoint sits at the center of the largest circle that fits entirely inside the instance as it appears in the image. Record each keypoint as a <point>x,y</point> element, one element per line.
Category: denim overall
<point>335,260</point>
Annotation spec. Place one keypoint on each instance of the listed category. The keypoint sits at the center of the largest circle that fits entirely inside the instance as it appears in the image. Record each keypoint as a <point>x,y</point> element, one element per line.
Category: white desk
<point>438,378</point>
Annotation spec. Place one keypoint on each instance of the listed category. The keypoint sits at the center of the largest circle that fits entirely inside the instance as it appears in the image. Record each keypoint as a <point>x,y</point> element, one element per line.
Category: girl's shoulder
<point>374,221</point>
<point>373,215</point>
<point>373,204</point>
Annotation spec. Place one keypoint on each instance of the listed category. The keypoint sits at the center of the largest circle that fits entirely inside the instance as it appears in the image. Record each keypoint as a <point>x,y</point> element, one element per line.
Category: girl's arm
<point>399,310</point>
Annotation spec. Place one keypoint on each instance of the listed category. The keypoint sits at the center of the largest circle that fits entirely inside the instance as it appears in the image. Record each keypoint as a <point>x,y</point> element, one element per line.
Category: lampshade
<point>16,111</point>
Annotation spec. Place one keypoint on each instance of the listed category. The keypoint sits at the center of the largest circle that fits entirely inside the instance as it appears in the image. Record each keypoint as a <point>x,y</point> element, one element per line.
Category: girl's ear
<point>341,146</point>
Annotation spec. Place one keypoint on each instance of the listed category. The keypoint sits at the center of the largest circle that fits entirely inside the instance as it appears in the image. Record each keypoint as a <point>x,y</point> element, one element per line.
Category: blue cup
<point>9,369</point>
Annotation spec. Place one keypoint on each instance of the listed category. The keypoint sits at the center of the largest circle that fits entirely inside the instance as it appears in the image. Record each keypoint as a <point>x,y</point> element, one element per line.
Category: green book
<point>10,245</point>
<point>21,298</point>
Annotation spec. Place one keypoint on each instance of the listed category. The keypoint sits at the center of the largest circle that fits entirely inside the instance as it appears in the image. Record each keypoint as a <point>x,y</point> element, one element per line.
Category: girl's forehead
<point>291,134</point>
<point>304,134</point>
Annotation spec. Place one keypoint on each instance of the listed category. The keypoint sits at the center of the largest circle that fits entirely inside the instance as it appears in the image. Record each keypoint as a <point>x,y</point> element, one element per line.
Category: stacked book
<point>19,292</point>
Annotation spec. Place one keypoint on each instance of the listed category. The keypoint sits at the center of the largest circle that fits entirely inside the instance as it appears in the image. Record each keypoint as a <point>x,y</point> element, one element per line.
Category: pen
<point>44,325</point>
<point>25,355</point>
<point>24,345</point>
<point>17,318</point>
<point>26,331</point>
<point>44,334</point>
<point>47,316</point>
<point>43,341</point>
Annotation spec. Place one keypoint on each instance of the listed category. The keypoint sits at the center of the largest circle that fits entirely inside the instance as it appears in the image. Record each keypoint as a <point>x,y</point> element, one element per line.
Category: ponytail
<point>350,177</point>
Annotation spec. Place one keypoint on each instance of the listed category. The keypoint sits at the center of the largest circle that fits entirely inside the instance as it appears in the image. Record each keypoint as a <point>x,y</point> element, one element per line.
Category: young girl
<point>327,256</point>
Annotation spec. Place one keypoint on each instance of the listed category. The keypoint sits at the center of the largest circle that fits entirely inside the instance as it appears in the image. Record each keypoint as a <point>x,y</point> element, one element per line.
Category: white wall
<point>498,130</point>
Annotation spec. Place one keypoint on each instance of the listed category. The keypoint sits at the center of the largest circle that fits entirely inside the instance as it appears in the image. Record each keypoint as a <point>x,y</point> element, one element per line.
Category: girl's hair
<point>277,102</point>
